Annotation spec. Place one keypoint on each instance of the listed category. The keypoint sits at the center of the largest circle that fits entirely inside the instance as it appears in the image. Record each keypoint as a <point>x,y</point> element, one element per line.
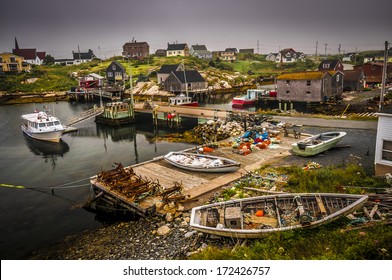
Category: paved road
<point>338,123</point>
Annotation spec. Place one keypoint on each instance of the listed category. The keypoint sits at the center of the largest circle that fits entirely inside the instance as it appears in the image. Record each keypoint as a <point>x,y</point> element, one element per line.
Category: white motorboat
<point>42,126</point>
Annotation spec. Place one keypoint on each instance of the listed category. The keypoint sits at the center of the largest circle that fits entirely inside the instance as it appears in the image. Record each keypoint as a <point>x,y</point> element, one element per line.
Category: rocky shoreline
<point>144,239</point>
<point>23,98</point>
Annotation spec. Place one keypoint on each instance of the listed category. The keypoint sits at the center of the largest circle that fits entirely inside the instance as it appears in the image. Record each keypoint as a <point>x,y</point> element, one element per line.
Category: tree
<point>48,59</point>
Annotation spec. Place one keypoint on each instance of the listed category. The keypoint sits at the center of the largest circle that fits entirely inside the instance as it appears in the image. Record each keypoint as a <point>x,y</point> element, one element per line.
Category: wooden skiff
<point>317,144</point>
<point>201,162</point>
<point>257,216</point>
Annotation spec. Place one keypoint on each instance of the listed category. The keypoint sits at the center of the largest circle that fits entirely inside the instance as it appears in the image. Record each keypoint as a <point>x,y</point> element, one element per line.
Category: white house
<point>289,56</point>
<point>383,154</point>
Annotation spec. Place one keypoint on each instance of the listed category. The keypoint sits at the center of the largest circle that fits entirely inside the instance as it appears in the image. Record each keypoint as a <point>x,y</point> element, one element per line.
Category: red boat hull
<point>243,102</point>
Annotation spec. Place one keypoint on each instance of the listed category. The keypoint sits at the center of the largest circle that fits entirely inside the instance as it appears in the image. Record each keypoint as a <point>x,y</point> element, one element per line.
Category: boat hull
<point>242,102</point>
<point>229,166</point>
<point>311,150</point>
<point>274,216</point>
<point>52,136</point>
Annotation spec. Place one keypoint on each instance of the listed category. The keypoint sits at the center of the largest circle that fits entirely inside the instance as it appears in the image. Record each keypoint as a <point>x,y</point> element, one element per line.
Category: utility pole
<point>258,52</point>
<point>384,74</point>
<point>326,45</point>
<point>316,47</point>
<point>340,45</point>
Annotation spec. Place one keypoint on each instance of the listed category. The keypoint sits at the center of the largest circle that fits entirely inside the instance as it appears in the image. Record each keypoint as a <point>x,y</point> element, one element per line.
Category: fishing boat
<point>317,144</point>
<point>41,126</point>
<point>182,100</point>
<point>257,216</point>
<point>201,162</point>
<point>251,97</point>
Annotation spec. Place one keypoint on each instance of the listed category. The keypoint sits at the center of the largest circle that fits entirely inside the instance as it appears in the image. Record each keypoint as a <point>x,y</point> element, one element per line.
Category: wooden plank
<point>321,205</point>
<point>366,212</point>
<point>375,208</point>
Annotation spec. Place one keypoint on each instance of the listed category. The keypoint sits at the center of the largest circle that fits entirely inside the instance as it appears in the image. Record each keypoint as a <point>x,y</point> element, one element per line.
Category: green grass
<point>334,241</point>
<point>327,242</point>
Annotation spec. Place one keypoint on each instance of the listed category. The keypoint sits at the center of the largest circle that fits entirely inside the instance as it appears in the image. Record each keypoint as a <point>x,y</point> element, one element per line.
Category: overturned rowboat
<point>201,162</point>
<point>257,216</point>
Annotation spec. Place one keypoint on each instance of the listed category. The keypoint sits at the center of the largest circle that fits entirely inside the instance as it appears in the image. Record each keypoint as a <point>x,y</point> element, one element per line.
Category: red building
<point>373,72</point>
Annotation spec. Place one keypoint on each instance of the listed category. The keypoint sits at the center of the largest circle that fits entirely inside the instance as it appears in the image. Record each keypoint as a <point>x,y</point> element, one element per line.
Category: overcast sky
<point>58,27</point>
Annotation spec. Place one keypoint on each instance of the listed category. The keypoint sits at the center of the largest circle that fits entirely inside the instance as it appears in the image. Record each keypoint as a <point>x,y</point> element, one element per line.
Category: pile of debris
<point>124,181</point>
<point>216,130</point>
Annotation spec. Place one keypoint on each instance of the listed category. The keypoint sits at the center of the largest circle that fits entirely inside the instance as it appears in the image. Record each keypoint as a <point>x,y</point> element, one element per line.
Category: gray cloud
<point>60,26</point>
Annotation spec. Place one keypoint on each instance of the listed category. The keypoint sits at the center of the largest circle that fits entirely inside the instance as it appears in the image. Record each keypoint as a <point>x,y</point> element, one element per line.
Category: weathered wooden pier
<point>196,187</point>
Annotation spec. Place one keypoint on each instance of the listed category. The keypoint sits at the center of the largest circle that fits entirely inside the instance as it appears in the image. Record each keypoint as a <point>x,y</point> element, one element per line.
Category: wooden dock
<point>198,187</point>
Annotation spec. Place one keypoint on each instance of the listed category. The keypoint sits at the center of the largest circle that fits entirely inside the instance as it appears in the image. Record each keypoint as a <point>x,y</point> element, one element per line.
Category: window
<point>308,92</point>
<point>13,67</point>
<point>110,74</point>
<point>288,83</point>
<point>1,59</point>
<point>387,150</point>
<point>337,77</point>
<point>308,83</point>
<point>326,65</point>
<point>114,66</point>
<point>12,59</point>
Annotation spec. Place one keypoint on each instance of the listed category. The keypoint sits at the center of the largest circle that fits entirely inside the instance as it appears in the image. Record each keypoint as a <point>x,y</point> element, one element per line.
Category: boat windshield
<point>49,124</point>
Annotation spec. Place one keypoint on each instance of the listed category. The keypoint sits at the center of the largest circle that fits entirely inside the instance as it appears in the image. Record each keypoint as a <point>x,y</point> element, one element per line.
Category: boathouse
<point>183,81</point>
<point>309,86</point>
<point>166,69</point>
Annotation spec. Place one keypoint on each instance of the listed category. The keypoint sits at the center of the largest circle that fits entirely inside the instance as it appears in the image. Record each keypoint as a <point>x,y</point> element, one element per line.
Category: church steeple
<point>16,44</point>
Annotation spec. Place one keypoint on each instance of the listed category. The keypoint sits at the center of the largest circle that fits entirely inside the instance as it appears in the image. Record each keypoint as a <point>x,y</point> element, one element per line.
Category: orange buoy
<point>259,213</point>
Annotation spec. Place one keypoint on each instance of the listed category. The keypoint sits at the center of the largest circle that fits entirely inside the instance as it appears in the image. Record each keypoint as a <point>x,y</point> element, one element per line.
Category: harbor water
<point>43,185</point>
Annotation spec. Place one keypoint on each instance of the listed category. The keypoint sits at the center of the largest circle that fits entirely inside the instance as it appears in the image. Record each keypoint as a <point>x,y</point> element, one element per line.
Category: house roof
<point>26,53</point>
<point>307,75</point>
<point>191,76</point>
<point>95,75</point>
<point>175,47</point>
<point>332,63</point>
<point>83,55</point>
<point>203,52</point>
<point>231,50</point>
<point>199,47</point>
<point>168,68</point>
<point>134,43</point>
<point>285,51</point>
<point>334,72</point>
<point>117,64</point>
<point>41,55</point>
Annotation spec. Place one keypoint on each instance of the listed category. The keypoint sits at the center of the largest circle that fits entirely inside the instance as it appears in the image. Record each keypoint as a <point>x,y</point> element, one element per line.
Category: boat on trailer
<point>42,126</point>
<point>318,143</point>
<point>201,162</point>
<point>256,217</point>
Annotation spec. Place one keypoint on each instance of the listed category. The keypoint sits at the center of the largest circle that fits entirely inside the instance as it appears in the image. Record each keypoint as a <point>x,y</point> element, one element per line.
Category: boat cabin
<point>233,217</point>
<point>181,100</point>
<point>40,121</point>
<point>256,93</point>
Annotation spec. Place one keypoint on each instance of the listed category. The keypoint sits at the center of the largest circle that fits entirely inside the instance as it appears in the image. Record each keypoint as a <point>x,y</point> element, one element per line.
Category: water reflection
<point>48,150</point>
